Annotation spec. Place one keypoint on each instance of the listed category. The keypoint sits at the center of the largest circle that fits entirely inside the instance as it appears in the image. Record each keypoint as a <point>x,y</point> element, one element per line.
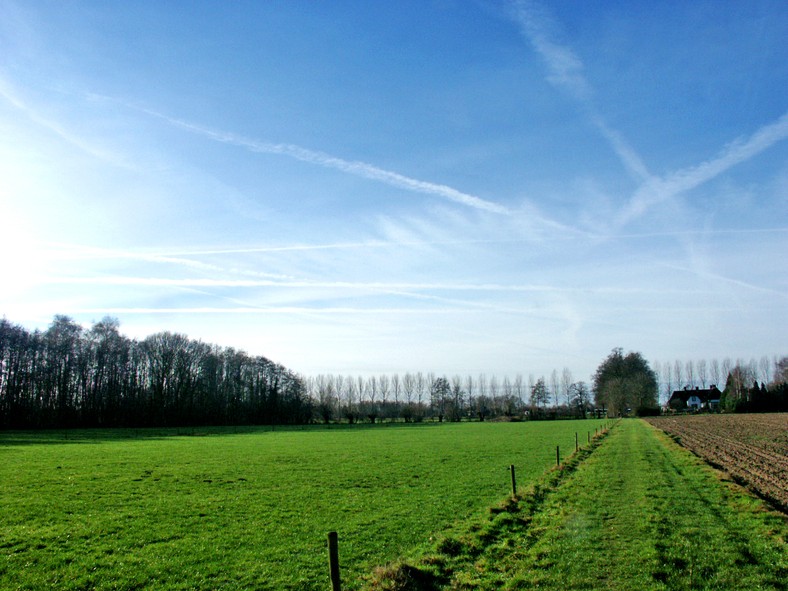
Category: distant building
<point>708,398</point>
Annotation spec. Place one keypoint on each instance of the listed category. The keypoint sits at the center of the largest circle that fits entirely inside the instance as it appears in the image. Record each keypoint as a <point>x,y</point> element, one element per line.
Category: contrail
<point>565,71</point>
<point>349,285</point>
<point>12,97</point>
<point>658,190</point>
<point>354,167</point>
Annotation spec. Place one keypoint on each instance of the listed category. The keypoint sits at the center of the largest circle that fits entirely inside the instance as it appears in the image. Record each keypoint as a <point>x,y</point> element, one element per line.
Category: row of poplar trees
<point>67,376</point>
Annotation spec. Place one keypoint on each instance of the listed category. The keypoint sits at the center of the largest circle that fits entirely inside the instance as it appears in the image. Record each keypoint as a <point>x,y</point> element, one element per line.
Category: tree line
<point>414,397</point>
<point>67,376</point>
<point>757,385</point>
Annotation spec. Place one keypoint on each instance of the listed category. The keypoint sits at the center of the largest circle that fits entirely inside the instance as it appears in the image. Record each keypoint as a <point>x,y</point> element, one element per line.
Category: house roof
<point>705,394</point>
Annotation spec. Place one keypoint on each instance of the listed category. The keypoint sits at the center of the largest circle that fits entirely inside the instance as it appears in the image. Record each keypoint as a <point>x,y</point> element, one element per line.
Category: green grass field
<point>248,509</point>
<point>638,513</point>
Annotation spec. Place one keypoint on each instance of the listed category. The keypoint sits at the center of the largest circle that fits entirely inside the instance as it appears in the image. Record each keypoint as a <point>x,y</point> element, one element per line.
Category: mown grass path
<point>639,513</point>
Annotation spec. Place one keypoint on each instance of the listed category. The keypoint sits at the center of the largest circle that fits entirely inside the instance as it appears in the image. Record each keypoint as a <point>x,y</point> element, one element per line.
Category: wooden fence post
<point>557,455</point>
<point>333,561</point>
<point>577,446</point>
<point>514,481</point>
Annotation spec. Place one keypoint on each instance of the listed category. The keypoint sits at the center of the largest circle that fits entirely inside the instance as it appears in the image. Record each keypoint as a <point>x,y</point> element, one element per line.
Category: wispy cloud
<point>349,285</point>
<point>565,71</point>
<point>658,190</point>
<point>343,310</point>
<point>354,167</point>
<point>13,97</point>
<point>708,275</point>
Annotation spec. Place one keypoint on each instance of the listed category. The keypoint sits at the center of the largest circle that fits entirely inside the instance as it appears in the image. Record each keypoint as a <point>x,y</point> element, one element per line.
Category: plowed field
<point>752,448</point>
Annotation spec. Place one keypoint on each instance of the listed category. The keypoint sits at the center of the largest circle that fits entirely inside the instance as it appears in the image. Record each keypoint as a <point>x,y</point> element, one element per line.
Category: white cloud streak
<point>368,286</point>
<point>342,310</point>
<point>659,190</point>
<point>353,167</point>
<point>13,97</point>
<point>565,71</point>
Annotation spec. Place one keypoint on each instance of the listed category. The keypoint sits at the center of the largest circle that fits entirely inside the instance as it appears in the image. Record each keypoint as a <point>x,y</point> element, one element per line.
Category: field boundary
<point>460,546</point>
<point>760,469</point>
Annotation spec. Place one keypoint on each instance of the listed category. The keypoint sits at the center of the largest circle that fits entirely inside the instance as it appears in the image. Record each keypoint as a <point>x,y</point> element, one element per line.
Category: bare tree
<point>421,390</point>
<point>715,373</point>
<point>469,391</point>
<point>495,393</point>
<point>384,387</point>
<point>457,405</point>
<point>396,388</point>
<point>703,373</point>
<point>667,380</point>
<point>690,372</point>
<point>371,408</point>
<point>352,397</point>
<point>482,400</point>
<point>324,393</point>
<point>727,367</point>
<point>678,374</point>
<point>519,389</point>
<point>409,387</point>
<point>506,387</point>
<point>554,385</point>
<point>566,384</point>
<point>780,375</point>
<point>764,369</point>
<point>482,385</point>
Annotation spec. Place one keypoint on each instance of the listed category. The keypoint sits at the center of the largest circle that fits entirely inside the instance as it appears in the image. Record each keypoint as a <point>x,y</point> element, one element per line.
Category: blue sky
<point>379,187</point>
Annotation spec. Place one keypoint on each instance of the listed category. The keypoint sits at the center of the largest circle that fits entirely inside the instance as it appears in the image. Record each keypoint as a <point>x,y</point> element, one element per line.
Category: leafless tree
<point>703,373</point>
<point>678,374</point>
<point>482,385</point>
<point>566,384</point>
<point>396,388</point>
<point>506,387</point>
<point>519,389</point>
<point>727,367</point>
<point>351,397</point>
<point>667,380</point>
<point>421,391</point>
<point>690,373</point>
<point>494,390</point>
<point>469,391</point>
<point>780,375</point>
<point>457,406</point>
<point>715,373</point>
<point>409,387</point>
<point>554,385</point>
<point>764,369</point>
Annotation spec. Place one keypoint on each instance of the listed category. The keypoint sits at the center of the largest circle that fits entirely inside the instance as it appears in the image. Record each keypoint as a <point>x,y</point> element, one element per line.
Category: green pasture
<point>639,513</point>
<point>232,509</point>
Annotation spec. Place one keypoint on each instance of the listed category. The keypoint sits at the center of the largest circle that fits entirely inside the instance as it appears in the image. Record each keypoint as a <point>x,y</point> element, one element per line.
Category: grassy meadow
<point>248,509</point>
<point>638,513</point>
